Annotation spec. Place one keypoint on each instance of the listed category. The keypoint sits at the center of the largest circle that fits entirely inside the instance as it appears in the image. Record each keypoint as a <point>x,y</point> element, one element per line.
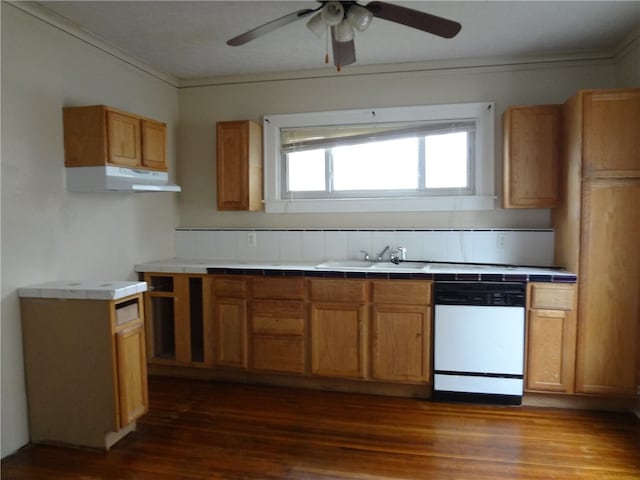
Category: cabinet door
<point>239,165</point>
<point>610,135</point>
<point>551,347</point>
<point>154,145</point>
<point>338,332</point>
<point>608,290</point>
<point>132,374</point>
<point>124,139</point>
<point>532,147</point>
<point>400,343</point>
<point>230,318</point>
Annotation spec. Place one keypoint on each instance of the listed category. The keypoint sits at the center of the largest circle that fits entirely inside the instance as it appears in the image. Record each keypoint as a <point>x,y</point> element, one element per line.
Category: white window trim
<point>484,199</point>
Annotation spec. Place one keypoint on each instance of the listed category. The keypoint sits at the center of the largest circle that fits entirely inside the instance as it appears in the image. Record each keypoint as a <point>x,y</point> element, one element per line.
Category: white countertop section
<point>184,265</point>
<point>83,289</point>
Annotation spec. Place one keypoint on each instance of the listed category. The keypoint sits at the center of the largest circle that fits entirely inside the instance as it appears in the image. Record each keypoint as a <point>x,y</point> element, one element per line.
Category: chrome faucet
<point>398,255</point>
<point>384,250</point>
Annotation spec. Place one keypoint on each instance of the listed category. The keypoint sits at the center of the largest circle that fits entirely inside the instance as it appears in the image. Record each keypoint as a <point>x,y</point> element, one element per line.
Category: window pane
<point>446,160</point>
<point>306,171</point>
<point>386,165</point>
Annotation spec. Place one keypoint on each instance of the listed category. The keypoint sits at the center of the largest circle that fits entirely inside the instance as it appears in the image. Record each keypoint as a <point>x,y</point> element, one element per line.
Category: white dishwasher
<point>479,341</point>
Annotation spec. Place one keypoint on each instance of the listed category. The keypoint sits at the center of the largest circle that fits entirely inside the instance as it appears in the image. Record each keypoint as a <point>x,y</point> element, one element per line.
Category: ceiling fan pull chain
<point>326,47</point>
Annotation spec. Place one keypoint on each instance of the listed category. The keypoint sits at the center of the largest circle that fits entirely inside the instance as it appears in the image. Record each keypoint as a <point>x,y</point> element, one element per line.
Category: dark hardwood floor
<point>202,430</point>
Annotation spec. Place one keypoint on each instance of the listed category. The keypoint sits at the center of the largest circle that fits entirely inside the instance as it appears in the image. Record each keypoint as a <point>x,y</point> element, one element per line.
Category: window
<point>392,159</point>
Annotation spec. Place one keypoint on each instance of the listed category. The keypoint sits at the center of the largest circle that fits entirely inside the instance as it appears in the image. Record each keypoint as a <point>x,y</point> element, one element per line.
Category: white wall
<point>50,234</point>
<point>249,98</point>
<point>628,64</point>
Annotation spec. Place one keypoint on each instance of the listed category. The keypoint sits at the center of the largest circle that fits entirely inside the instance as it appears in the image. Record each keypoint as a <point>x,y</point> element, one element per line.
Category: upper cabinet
<point>99,135</point>
<point>532,147</point>
<point>611,133</point>
<point>239,165</point>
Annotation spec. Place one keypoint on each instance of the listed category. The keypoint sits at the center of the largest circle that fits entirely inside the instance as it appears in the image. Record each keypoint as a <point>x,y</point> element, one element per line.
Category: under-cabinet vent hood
<point>109,178</point>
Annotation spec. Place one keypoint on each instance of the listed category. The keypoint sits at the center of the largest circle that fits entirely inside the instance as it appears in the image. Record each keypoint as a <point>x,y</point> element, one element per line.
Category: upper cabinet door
<point>239,165</point>
<point>611,135</point>
<point>124,139</point>
<point>153,145</point>
<point>532,147</point>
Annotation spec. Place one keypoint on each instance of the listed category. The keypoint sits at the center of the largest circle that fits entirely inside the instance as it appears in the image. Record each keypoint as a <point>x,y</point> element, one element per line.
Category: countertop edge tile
<point>449,272</point>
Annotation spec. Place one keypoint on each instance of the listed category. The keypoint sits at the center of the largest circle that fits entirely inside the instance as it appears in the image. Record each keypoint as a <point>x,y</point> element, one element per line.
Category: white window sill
<point>484,202</point>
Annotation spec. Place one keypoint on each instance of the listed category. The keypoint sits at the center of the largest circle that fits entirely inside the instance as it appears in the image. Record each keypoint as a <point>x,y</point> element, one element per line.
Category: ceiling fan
<point>343,17</point>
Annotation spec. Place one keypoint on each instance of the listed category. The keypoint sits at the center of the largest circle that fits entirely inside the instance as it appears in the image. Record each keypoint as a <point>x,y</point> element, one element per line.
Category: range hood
<point>109,178</point>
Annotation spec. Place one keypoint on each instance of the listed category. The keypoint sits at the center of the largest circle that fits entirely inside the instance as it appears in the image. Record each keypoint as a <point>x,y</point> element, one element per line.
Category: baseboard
<point>580,402</point>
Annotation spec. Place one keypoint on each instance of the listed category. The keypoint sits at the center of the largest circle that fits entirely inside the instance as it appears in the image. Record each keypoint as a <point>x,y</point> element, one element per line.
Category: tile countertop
<point>83,289</point>
<point>426,270</point>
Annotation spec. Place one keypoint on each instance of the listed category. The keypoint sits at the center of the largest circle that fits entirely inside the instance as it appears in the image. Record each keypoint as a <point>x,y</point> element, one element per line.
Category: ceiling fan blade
<point>415,18</point>
<point>344,53</point>
<point>269,27</point>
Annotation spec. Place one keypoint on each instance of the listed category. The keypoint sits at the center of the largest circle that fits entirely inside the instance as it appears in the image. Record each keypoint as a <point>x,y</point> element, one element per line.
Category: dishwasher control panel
<point>506,294</point>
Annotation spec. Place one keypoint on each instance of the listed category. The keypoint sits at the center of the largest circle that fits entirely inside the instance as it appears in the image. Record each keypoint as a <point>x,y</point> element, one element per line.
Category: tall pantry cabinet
<point>597,227</point>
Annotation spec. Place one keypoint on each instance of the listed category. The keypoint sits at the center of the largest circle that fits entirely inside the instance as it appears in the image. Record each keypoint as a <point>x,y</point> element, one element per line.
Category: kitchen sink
<point>345,265</point>
<point>402,266</point>
<point>363,265</point>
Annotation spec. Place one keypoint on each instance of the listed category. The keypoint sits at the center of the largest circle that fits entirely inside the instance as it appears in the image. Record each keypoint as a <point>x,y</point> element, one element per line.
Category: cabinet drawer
<point>285,288</point>
<point>402,291</point>
<point>338,291</point>
<point>234,287</point>
<point>127,311</point>
<point>278,318</point>
<point>278,354</point>
<point>552,296</point>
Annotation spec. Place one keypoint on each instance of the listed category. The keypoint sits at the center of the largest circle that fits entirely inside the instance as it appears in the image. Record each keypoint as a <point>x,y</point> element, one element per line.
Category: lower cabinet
<point>86,369</point>
<point>278,325</point>
<point>551,338</point>
<point>178,309</point>
<point>339,327</point>
<point>230,321</point>
<point>401,331</point>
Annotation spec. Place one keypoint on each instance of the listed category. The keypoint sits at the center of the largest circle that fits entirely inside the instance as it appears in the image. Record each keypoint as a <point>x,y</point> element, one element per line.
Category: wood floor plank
<point>201,430</point>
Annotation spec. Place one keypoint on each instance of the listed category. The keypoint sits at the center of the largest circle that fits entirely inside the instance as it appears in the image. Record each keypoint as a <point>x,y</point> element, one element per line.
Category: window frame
<point>481,113</point>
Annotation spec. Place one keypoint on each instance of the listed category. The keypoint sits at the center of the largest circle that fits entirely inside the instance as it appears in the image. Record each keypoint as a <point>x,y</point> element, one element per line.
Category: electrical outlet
<point>501,241</point>
<point>252,239</point>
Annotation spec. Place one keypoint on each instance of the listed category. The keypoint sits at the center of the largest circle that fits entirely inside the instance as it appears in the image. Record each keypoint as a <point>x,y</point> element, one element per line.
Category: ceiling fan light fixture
<point>344,31</point>
<point>332,13</point>
<point>359,17</point>
<point>317,26</point>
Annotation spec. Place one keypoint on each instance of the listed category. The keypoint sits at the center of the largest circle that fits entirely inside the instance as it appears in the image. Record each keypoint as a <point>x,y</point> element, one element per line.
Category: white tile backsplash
<point>524,247</point>
<point>313,245</point>
<point>336,245</point>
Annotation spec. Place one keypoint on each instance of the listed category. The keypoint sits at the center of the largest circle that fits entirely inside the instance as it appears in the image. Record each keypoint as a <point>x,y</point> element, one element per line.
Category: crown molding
<point>484,64</point>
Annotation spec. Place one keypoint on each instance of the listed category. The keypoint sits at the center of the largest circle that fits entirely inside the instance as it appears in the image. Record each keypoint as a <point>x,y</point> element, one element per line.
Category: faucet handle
<point>366,257</point>
<point>398,255</point>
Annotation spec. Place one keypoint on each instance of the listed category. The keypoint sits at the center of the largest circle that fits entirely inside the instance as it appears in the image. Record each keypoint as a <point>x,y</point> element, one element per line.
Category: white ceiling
<point>186,39</point>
